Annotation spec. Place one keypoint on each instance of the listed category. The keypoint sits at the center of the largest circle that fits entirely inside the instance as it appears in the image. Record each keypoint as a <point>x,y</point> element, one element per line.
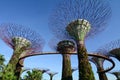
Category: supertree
<point>99,64</point>
<point>64,47</point>
<point>88,18</point>
<point>51,74</point>
<point>116,73</point>
<point>23,41</point>
<point>35,74</point>
<point>111,49</point>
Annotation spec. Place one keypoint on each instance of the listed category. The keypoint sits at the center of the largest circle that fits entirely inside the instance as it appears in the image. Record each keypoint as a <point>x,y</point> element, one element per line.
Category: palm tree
<point>35,74</point>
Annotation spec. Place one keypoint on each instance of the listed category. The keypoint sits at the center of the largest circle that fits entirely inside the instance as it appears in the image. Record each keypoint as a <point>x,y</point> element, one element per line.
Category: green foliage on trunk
<point>85,69</point>
<point>66,70</point>
<point>102,76</point>
<point>8,73</point>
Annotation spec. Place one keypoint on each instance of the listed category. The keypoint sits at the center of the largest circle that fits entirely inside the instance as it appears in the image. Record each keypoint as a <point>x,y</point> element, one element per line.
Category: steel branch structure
<point>96,12</point>
<point>23,41</point>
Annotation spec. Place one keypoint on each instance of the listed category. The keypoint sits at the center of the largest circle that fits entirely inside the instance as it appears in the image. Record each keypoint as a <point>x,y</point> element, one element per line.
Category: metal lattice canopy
<point>111,49</point>
<point>96,12</point>
<point>16,35</point>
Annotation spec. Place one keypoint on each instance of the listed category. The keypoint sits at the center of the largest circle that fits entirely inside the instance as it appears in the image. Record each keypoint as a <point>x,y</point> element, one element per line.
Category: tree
<point>23,41</point>
<point>35,74</point>
<point>78,19</point>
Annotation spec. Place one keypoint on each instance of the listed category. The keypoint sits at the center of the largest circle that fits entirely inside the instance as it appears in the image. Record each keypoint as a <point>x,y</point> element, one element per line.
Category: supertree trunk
<point>66,47</point>
<point>85,70</point>
<point>19,69</point>
<point>51,77</point>
<point>102,76</point>
<point>15,66</point>
<point>66,68</point>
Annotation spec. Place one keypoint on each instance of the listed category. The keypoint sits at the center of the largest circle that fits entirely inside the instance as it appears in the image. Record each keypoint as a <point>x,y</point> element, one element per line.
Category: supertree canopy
<point>111,49</point>
<point>96,12</point>
<point>78,19</point>
<point>22,40</point>
<point>13,34</point>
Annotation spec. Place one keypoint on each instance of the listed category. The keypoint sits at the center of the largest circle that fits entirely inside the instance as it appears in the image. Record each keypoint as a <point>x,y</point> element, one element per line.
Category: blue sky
<point>35,14</point>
